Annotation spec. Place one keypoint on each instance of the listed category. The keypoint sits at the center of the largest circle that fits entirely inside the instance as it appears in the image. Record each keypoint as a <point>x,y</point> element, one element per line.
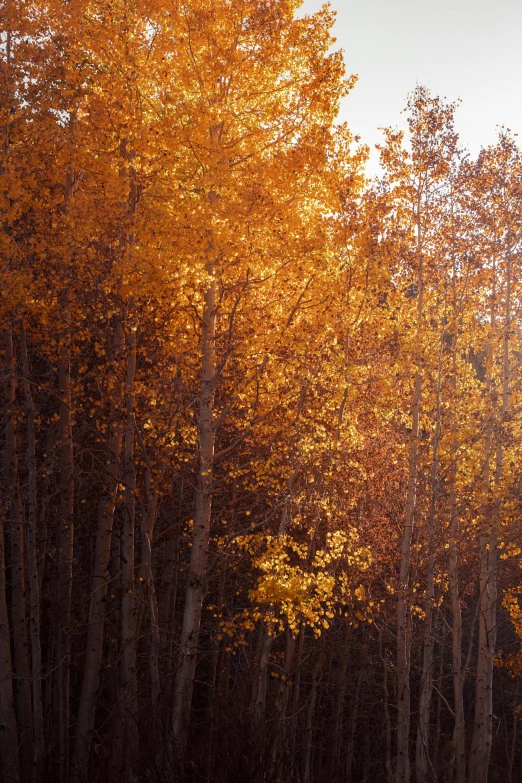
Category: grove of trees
<point>261,419</point>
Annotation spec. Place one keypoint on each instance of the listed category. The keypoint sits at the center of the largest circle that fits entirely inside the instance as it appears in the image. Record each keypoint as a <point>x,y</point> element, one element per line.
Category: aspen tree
<point>417,177</point>
<point>422,759</point>
<point>287,133</point>
<point>32,563</point>
<point>95,634</point>
<point>498,173</point>
<point>16,536</point>
<point>66,544</point>
<point>9,746</point>
<point>461,273</point>
<point>9,755</point>
<point>64,580</point>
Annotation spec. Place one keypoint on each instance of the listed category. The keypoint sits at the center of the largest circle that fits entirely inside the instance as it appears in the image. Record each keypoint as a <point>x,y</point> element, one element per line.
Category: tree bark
<point>65,548</point>
<point>308,728</point>
<point>262,677</point>
<point>459,727</point>
<point>128,708</point>
<point>386,702</point>
<point>8,734</point>
<point>487,622</point>
<point>99,586</point>
<point>147,577</point>
<point>32,567</point>
<point>296,690</point>
<point>402,769</point>
<point>279,740</point>
<point>184,682</point>
<point>18,580</point>
<point>339,706</point>
<point>422,761</point>
<point>353,724</point>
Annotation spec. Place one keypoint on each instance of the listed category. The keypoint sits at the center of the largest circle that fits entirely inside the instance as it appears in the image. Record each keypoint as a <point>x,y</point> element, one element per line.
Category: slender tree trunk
<point>335,767</point>
<point>353,724</point>
<point>262,677</point>
<point>8,734</point>
<point>9,756</point>
<point>459,728</point>
<point>296,692</point>
<point>147,577</point>
<point>215,661</point>
<point>483,725</point>
<point>148,595</point>
<point>259,638</point>
<point>127,732</point>
<point>42,537</point>
<point>100,582</point>
<point>402,770</point>
<point>422,745</point>
<point>65,549</point>
<point>167,613</point>
<point>281,705</point>
<point>18,581</point>
<point>32,567</point>
<point>169,591</point>
<point>199,552</point>
<point>436,739</point>
<point>387,719</point>
<point>10,764</point>
<point>513,746</point>
<point>423,727</point>
<point>128,710</point>
<point>308,728</point>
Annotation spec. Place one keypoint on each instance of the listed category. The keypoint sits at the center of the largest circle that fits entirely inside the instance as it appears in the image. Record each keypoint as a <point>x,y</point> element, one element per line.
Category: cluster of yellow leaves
<point>513,662</point>
<point>296,585</point>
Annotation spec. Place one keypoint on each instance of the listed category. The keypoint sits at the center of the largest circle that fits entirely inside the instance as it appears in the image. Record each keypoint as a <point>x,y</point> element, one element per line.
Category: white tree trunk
<point>8,734</point>
<point>32,567</point>
<point>198,557</point>
<point>99,586</point>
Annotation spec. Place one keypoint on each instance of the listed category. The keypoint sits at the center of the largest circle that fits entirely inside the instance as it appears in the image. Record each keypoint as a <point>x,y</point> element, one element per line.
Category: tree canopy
<point>261,420</point>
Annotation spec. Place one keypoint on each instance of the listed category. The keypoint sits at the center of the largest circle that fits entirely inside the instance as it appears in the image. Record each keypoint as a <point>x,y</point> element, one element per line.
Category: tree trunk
<point>308,728</point>
<point>387,719</point>
<point>402,768</point>
<point>128,707</point>
<point>353,724</point>
<point>65,549</point>
<point>216,659</point>
<point>482,727</point>
<point>199,552</point>
<point>459,728</point>
<point>296,692</point>
<point>147,577</point>
<point>422,762</point>
<point>339,708</point>
<point>281,705</point>
<point>167,614</point>
<point>8,734</point>
<point>402,771</point>
<point>18,581</point>
<point>100,582</point>
<point>483,723</point>
<point>262,677</point>
<point>32,567</point>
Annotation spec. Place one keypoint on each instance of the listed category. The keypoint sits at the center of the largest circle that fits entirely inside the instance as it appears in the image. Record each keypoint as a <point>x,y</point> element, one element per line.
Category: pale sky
<point>468,49</point>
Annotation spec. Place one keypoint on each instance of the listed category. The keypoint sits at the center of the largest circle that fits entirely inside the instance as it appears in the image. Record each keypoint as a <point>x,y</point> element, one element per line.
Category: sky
<point>467,49</point>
